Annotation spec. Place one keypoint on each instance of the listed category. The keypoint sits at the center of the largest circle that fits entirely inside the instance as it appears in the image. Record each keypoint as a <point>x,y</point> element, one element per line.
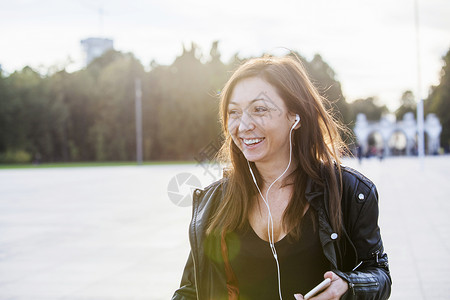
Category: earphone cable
<point>269,216</point>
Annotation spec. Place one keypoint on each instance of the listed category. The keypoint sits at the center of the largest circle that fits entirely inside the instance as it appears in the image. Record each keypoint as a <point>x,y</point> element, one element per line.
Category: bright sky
<point>371,45</point>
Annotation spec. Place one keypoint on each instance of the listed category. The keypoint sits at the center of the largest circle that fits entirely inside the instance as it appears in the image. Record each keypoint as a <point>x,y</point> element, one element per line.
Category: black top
<point>302,262</point>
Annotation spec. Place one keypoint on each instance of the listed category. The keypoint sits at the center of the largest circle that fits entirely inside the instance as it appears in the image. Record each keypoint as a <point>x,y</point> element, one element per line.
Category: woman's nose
<point>246,123</point>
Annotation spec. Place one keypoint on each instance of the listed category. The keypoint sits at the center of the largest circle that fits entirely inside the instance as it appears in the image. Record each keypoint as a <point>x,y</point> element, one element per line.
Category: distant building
<point>95,47</point>
<point>396,138</point>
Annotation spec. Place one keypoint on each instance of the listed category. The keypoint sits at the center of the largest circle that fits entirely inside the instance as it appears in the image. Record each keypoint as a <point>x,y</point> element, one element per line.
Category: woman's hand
<point>337,288</point>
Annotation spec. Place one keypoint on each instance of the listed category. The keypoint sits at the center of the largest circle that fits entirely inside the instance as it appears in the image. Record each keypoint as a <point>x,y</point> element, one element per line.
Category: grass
<point>89,164</point>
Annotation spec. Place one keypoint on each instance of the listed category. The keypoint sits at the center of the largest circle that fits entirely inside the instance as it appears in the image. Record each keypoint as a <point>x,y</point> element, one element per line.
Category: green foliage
<point>407,104</point>
<point>369,107</point>
<point>438,102</point>
<point>325,80</point>
<point>15,157</point>
<point>89,115</point>
<point>28,113</point>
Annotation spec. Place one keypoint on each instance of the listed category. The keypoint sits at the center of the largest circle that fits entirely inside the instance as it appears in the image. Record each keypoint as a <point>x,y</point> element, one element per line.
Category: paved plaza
<point>116,233</point>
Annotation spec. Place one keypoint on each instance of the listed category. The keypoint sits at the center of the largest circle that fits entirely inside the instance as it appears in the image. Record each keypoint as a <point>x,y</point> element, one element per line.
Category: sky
<point>371,45</point>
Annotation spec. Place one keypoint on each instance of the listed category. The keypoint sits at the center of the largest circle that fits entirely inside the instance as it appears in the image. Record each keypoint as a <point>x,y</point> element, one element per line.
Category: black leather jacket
<point>357,255</point>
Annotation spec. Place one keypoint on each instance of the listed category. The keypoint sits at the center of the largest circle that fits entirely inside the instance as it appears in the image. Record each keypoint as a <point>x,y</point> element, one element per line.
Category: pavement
<point>116,232</point>
<point>414,200</point>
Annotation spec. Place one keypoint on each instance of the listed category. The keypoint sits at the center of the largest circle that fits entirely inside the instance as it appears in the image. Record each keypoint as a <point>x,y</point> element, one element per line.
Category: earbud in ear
<point>297,120</point>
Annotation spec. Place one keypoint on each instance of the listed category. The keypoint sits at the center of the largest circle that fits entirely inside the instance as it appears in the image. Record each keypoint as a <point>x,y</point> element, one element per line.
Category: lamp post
<point>138,105</point>
<point>420,117</point>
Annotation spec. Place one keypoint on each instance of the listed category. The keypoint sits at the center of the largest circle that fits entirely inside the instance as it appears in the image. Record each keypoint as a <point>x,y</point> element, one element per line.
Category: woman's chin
<point>252,157</point>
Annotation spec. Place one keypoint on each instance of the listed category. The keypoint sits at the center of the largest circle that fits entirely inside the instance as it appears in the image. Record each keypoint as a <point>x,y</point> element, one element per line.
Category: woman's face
<point>258,121</point>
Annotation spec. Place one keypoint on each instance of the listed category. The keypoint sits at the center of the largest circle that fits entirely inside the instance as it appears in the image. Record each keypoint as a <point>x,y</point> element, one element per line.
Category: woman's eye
<point>261,109</point>
<point>233,112</point>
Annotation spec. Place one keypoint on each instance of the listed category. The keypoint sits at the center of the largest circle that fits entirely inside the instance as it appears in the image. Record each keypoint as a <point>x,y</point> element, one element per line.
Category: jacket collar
<point>314,193</point>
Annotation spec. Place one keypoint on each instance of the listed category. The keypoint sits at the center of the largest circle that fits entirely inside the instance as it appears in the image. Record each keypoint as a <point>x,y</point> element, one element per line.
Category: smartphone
<point>320,287</point>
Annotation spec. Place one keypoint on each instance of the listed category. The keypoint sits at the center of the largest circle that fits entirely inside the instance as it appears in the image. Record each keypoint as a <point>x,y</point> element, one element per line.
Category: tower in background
<point>95,47</point>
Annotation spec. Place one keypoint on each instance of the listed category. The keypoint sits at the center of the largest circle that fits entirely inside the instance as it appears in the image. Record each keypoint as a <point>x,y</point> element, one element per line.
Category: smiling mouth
<point>252,142</point>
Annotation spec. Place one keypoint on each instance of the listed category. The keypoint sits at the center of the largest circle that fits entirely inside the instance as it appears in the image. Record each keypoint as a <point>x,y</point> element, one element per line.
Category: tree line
<point>89,115</point>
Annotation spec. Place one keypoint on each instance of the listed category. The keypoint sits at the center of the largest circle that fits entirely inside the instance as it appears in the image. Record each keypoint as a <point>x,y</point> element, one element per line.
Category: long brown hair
<point>316,145</point>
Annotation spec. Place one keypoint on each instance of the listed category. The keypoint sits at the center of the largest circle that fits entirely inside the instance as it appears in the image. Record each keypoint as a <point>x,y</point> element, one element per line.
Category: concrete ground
<point>115,232</point>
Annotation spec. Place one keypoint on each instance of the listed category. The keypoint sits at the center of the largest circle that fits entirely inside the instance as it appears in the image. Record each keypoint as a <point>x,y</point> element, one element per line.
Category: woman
<point>286,215</point>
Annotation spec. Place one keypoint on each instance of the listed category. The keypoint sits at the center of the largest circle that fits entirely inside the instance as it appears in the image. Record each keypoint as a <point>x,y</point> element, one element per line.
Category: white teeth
<point>252,141</point>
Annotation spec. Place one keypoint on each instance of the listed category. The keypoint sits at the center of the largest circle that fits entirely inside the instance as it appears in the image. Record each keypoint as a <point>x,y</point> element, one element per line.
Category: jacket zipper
<point>196,279</point>
<point>367,284</point>
<point>193,256</point>
<point>375,254</point>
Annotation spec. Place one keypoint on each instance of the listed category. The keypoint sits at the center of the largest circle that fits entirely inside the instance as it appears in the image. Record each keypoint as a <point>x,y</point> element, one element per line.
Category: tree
<point>5,114</point>
<point>324,77</point>
<point>188,100</point>
<point>112,134</point>
<point>58,108</point>
<point>89,115</point>
<point>29,114</point>
<point>407,104</point>
<point>369,107</point>
<point>438,102</point>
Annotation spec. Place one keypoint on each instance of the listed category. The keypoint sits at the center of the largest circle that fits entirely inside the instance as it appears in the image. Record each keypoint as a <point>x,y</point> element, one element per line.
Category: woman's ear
<point>296,121</point>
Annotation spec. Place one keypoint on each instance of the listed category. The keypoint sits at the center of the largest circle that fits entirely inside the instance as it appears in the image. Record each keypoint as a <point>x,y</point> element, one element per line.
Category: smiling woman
<point>259,126</point>
<point>286,214</point>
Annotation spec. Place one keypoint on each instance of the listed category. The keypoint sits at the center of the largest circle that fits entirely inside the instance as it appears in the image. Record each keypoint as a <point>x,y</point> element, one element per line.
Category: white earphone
<point>297,120</point>
<point>270,219</point>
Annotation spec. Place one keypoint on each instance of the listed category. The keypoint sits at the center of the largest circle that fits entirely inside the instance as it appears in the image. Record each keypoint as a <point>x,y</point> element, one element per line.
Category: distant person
<point>37,159</point>
<point>286,215</point>
<point>381,154</point>
<point>360,153</point>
